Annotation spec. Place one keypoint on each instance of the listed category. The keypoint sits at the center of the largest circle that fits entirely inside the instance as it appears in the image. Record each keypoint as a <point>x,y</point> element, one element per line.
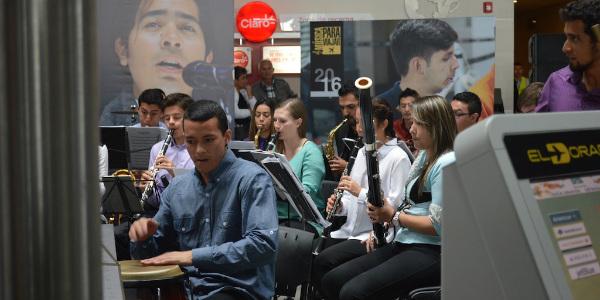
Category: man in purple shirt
<point>176,156</point>
<point>576,87</point>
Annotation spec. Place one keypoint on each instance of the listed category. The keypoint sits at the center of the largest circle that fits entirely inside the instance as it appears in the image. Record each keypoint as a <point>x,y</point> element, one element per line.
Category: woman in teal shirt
<point>304,156</point>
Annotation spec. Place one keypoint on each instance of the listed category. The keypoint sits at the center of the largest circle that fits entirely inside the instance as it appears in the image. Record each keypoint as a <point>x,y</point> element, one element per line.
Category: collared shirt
<point>565,91</point>
<point>280,87</point>
<point>433,208</point>
<point>177,154</point>
<point>393,170</point>
<point>230,224</point>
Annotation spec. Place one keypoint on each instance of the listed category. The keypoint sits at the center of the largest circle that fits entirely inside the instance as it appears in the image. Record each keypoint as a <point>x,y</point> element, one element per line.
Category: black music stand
<point>120,196</point>
<point>290,188</point>
<point>140,140</point>
<point>115,139</point>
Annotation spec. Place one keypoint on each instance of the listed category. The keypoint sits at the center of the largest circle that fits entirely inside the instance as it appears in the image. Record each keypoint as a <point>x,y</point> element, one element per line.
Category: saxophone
<point>329,150</point>
<point>150,186</point>
<point>257,135</point>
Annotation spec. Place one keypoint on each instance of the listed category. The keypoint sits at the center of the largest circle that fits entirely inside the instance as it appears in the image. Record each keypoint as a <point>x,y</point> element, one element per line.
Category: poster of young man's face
<point>173,45</point>
<point>432,56</point>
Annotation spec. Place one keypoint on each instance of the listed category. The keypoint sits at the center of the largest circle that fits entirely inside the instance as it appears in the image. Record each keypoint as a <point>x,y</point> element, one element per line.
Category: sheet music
<point>141,140</point>
<point>285,178</point>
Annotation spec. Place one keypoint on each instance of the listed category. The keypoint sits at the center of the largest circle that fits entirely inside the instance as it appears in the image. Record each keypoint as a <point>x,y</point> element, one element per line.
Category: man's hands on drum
<point>182,258</point>
<point>142,229</point>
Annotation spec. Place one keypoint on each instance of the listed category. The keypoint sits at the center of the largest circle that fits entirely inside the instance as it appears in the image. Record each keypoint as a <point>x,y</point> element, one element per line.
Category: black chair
<point>294,260</point>
<point>327,187</point>
<point>427,293</point>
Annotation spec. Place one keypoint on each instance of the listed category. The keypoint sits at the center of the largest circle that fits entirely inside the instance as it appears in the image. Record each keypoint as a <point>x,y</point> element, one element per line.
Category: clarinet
<point>338,199</point>
<point>150,186</point>
<point>374,195</point>
<point>273,142</point>
<point>339,192</point>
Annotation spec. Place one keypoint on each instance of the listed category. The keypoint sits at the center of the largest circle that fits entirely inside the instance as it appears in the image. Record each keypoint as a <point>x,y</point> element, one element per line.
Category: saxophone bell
<point>329,148</point>
<point>257,136</point>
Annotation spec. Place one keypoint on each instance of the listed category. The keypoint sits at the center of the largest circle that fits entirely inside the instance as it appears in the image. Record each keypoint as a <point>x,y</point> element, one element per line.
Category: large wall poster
<point>466,64</point>
<point>146,44</point>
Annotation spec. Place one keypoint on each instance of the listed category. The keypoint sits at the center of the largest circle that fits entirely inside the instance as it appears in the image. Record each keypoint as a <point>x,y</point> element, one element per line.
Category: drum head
<point>133,270</point>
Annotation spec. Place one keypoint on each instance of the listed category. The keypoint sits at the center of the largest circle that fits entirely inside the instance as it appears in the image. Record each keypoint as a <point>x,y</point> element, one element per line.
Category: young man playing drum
<point>220,222</point>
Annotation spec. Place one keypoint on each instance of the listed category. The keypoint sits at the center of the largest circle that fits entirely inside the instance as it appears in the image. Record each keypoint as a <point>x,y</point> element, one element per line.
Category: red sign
<point>240,58</point>
<point>488,7</point>
<point>256,21</point>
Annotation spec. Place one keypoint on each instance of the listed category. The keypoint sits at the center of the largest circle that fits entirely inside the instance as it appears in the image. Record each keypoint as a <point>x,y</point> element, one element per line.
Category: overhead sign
<point>256,21</point>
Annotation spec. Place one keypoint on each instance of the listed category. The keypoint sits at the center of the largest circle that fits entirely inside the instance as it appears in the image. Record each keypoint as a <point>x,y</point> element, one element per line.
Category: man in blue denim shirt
<point>220,222</point>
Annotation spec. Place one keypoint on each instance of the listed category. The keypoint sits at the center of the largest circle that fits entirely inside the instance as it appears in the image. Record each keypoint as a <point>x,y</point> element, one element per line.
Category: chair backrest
<point>327,187</point>
<point>426,293</point>
<point>294,258</point>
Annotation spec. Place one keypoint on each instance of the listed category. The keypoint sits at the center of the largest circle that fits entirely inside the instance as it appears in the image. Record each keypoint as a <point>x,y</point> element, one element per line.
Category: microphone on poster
<point>199,74</point>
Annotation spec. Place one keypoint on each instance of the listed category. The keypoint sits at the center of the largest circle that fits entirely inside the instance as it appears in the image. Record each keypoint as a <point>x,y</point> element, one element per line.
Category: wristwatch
<point>396,219</point>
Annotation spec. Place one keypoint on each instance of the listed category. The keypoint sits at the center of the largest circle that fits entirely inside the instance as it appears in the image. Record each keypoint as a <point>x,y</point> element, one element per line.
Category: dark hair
<point>518,63</point>
<point>180,99</point>
<point>152,96</point>
<point>381,112</point>
<point>239,71</point>
<point>587,11</point>
<point>408,92</point>
<point>530,94</point>
<point>420,37</point>
<point>204,110</point>
<point>264,101</point>
<point>347,89</point>
<point>471,100</point>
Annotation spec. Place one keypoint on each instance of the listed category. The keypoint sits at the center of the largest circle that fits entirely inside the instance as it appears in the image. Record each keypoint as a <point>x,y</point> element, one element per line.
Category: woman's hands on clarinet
<point>381,214</point>
<point>347,184</point>
<point>330,202</point>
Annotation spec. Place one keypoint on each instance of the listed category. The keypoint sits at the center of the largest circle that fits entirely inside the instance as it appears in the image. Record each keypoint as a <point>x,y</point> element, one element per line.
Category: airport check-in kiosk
<point>521,216</point>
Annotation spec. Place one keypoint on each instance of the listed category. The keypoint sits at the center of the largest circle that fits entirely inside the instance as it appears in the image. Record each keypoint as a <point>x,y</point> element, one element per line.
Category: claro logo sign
<point>560,153</point>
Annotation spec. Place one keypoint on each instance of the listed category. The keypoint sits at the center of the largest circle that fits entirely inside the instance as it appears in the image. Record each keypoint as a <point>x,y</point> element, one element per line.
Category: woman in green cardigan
<point>304,156</point>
